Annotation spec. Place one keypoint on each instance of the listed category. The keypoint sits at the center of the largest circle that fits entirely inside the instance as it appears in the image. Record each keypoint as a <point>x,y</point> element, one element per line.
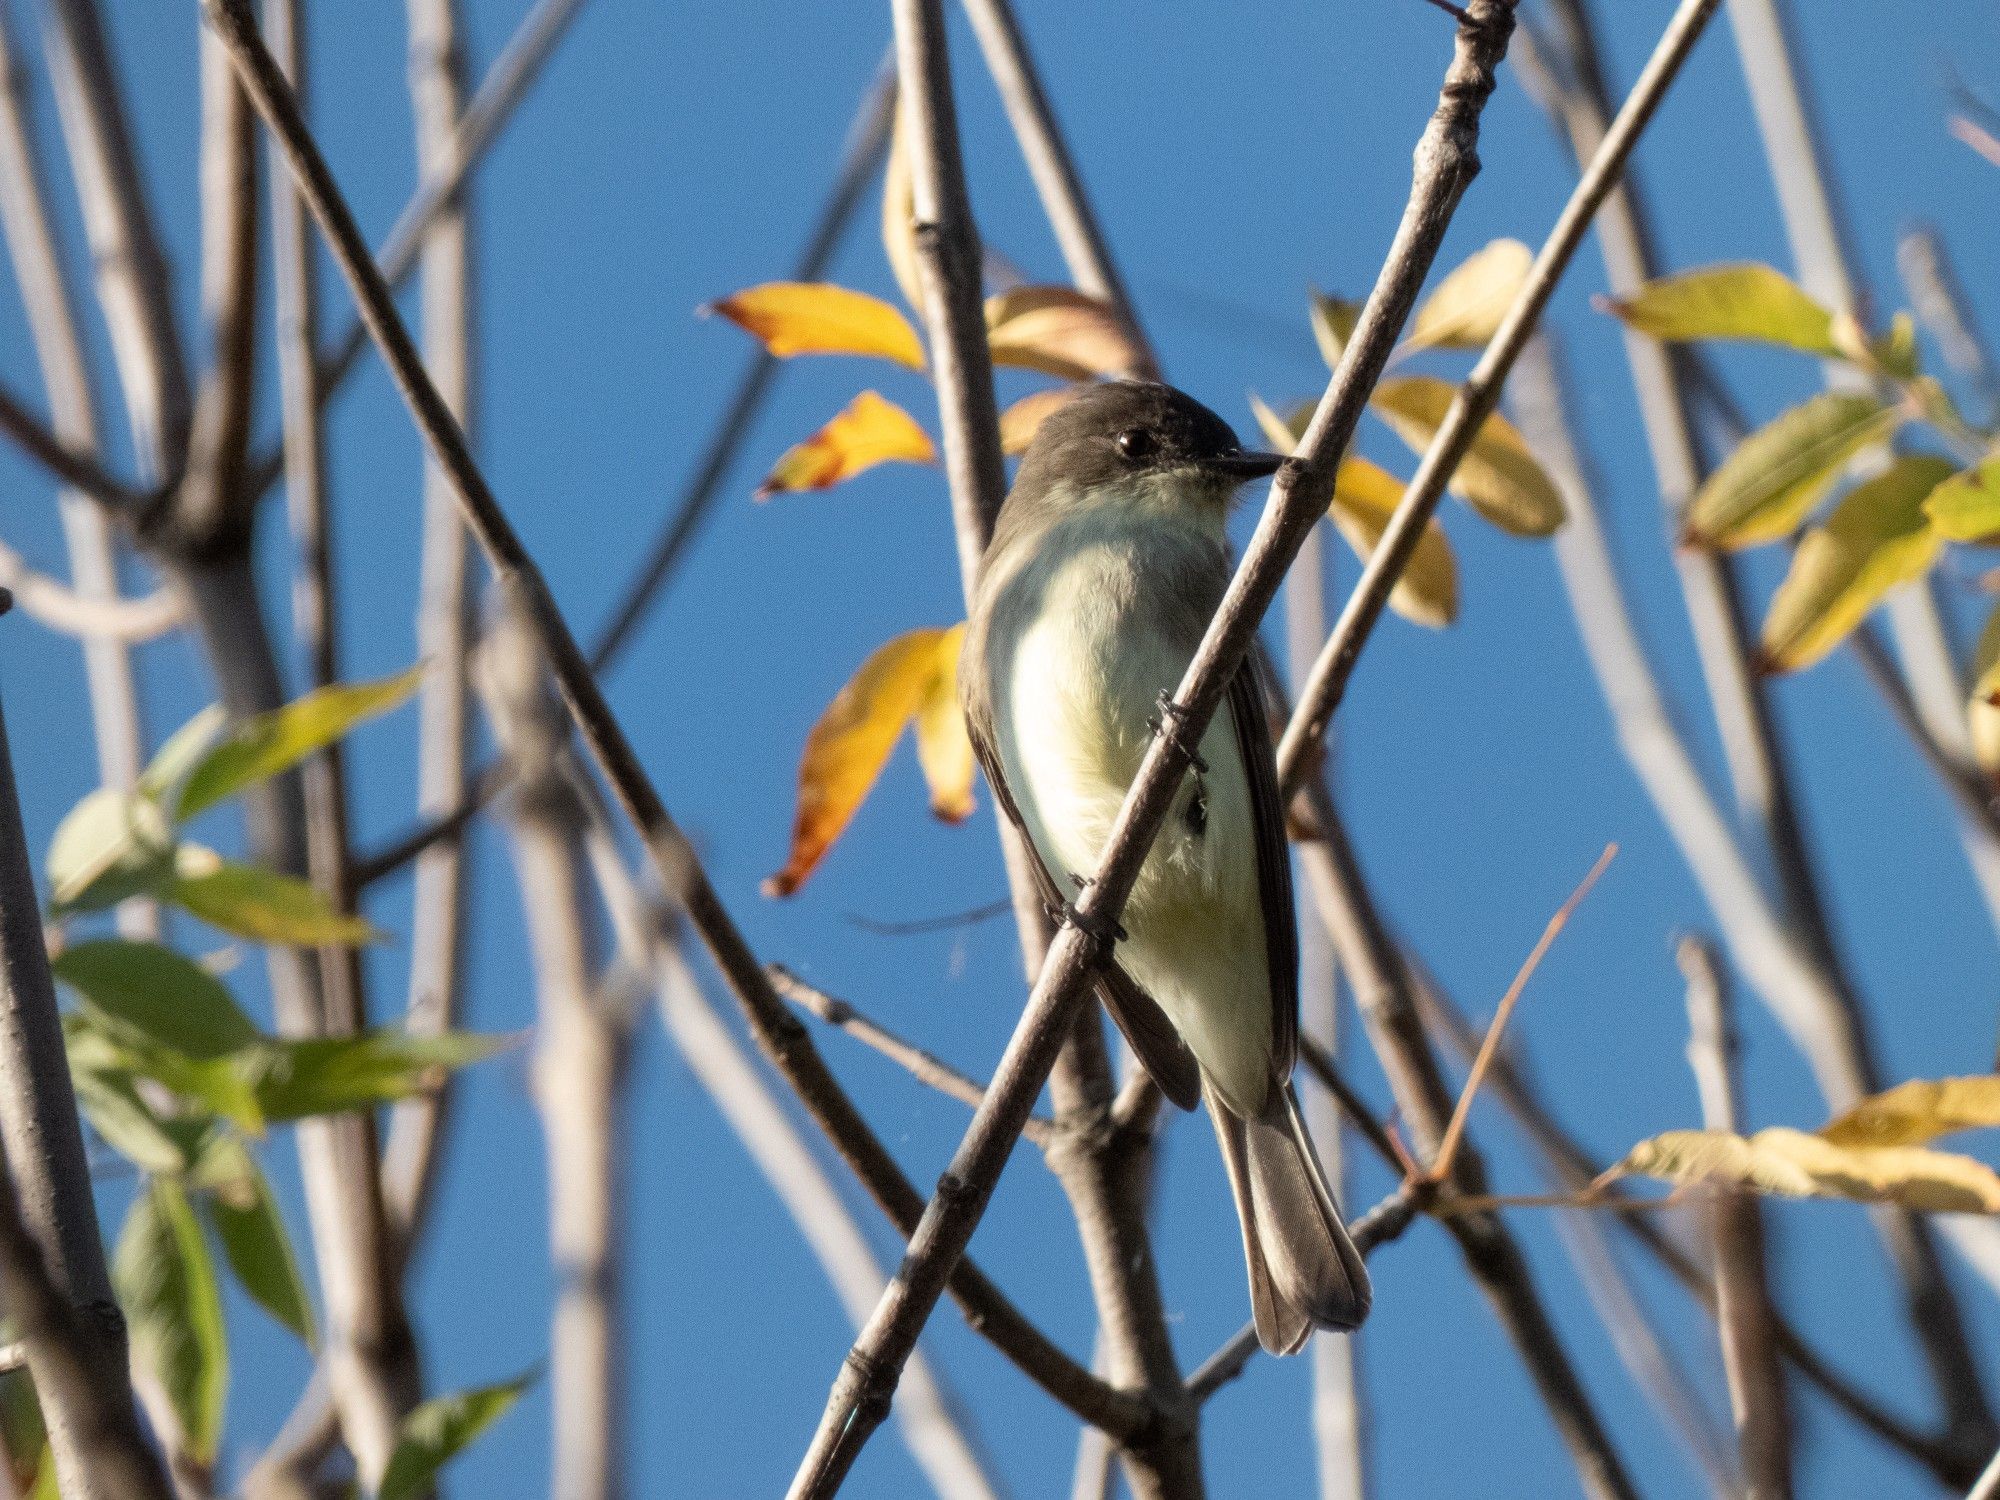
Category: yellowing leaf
<point>1498,476</point>
<point>848,747</point>
<point>1783,469</point>
<point>1983,711</point>
<point>1796,1164</point>
<point>1921,1110</point>
<point>816,317</point>
<point>111,845</point>
<point>1364,497</point>
<point>1875,539</point>
<point>1466,308</point>
<point>1966,508</point>
<point>1747,301</point>
<point>899,218</point>
<point>1333,321</point>
<point>1059,331</point>
<point>868,432</point>
<point>1020,422</point>
<point>944,749</point>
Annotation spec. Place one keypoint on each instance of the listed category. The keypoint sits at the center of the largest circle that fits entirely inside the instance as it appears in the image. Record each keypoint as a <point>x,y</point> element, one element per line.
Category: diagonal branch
<point>1446,161</point>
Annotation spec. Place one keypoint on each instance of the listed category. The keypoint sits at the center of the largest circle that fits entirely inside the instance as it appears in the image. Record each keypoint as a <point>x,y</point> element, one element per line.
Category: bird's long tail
<point>1304,1270</point>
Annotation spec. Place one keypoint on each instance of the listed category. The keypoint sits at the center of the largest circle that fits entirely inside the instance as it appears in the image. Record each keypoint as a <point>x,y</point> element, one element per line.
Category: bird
<point>1107,562</point>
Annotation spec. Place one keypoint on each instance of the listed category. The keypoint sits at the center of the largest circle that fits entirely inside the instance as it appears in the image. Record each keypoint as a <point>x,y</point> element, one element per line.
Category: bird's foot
<point>1167,721</point>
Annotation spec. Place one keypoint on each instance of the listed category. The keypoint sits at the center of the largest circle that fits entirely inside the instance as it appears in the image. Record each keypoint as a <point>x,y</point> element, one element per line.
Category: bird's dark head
<point>1135,438</point>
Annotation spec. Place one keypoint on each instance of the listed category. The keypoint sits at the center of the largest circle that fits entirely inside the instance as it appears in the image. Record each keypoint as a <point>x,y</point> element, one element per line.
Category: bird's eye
<point>1136,443</point>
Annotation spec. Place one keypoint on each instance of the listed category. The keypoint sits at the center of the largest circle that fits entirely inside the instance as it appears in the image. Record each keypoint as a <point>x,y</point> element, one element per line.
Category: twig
<point>1987,1487</point>
<point>89,617</point>
<point>134,286</point>
<point>1480,393</point>
<point>1942,307</point>
<point>1446,162</point>
<point>1454,1131</point>
<point>919,1064</point>
<point>1742,1291</point>
<point>1053,169</point>
<point>506,84</point>
<point>1977,136</point>
<point>58,1292</point>
<point>444,619</point>
<point>73,465</point>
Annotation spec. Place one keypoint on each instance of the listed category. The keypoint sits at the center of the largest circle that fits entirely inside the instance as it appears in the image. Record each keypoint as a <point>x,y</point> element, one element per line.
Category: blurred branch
<point>89,617</point>
<point>938,1441</point>
<point>919,1064</point>
<point>580,1050</point>
<point>134,285</point>
<point>444,620</point>
<point>56,1288</point>
<point>506,84</point>
<point>1742,1292</point>
<point>1943,308</point>
<point>1053,169</point>
<point>70,462</point>
<point>1445,163</point>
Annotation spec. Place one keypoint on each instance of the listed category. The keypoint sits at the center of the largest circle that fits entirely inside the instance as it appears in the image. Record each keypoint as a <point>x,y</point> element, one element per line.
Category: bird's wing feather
<point>1145,1026</point>
<point>1274,863</point>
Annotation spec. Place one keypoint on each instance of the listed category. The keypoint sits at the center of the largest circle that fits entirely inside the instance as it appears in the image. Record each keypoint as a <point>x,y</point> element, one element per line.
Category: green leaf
<point>167,997</point>
<point>23,1436</point>
<point>252,1232</point>
<point>440,1429</point>
<point>1748,301</point>
<point>1875,539</point>
<point>1333,323</point>
<point>1966,508</point>
<point>1782,470</point>
<point>1498,477</point>
<point>265,907</point>
<point>1896,351</point>
<point>118,1112</point>
<point>329,1075</point>
<point>279,740</point>
<point>113,844</point>
<point>170,766</point>
<point>166,1284</point>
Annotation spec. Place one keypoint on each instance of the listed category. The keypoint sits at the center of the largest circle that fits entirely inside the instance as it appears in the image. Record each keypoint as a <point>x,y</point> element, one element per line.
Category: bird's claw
<point>1166,722</point>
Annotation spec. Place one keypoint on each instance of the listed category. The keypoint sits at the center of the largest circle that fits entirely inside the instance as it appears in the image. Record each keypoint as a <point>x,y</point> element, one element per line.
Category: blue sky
<point>1237,155</point>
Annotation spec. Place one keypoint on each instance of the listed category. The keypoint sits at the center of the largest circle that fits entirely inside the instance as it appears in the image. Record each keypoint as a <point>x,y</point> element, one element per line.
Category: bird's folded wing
<point>1274,862</point>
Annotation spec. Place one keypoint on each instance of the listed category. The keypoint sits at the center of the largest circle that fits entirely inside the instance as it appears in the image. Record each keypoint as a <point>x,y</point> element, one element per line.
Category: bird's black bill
<point>1241,465</point>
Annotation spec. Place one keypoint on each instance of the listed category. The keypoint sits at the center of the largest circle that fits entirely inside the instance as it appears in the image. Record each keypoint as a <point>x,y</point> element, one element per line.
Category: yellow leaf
<point>1466,308</point>
<point>1921,1110</point>
<point>1364,497</point>
<point>1498,477</point>
<point>1783,469</point>
<point>848,747</point>
<point>1747,301</point>
<point>816,317</point>
<point>1966,508</point>
<point>1797,1164</point>
<point>1020,422</point>
<point>868,432</point>
<point>944,749</point>
<point>1983,711</point>
<point>899,216</point>
<point>1333,323</point>
<point>1059,331</point>
<point>1875,539</point>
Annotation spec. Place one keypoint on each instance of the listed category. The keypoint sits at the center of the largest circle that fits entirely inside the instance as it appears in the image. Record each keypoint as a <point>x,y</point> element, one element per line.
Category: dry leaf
<point>868,432</point>
<point>1798,1164</point>
<point>1921,1110</point>
<point>1498,477</point>
<point>1020,422</point>
<point>817,317</point>
<point>1465,310</point>
<point>913,677</point>
<point>1364,497</point>
<point>1333,323</point>
<point>1059,331</point>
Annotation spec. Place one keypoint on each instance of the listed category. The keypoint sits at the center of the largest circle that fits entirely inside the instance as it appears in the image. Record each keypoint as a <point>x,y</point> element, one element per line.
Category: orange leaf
<point>848,747</point>
<point>1059,331</point>
<point>1020,422</point>
<point>816,317</point>
<point>944,749</point>
<point>868,432</point>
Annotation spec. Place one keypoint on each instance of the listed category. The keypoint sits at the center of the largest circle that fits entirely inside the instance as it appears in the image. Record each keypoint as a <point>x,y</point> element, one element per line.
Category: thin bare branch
<point>1945,311</point>
<point>919,1064</point>
<point>1446,161</point>
<point>73,465</point>
<point>57,1289</point>
<point>1742,1290</point>
<point>89,617</point>
<point>134,285</point>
